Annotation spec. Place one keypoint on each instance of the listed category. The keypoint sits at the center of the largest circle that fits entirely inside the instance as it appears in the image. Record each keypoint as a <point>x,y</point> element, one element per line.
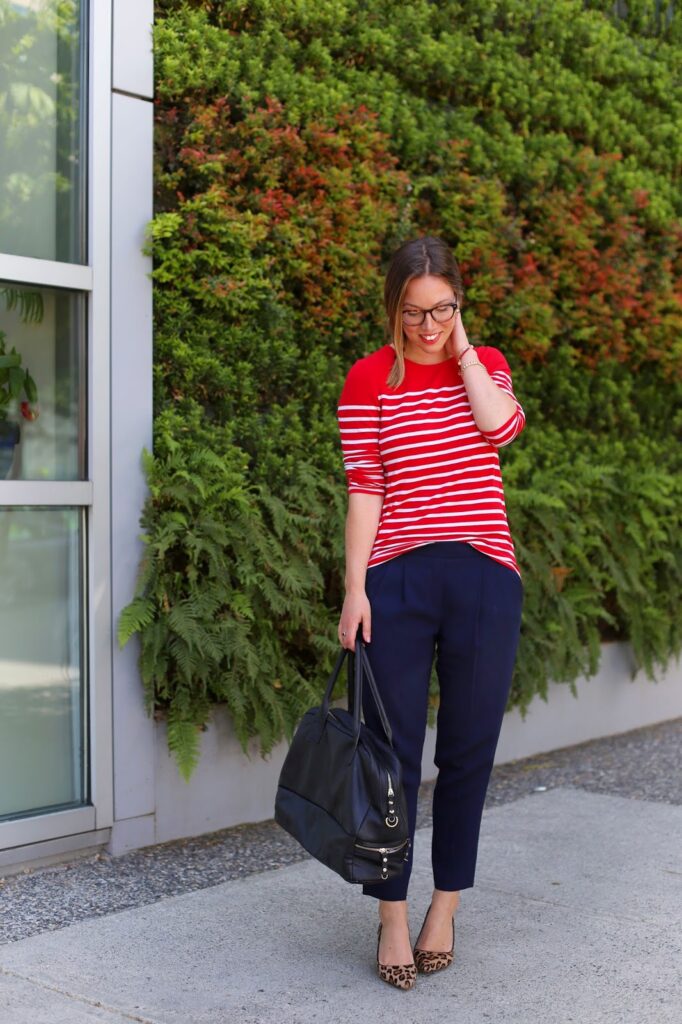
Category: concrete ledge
<point>132,833</point>
<point>228,788</point>
<point>608,703</point>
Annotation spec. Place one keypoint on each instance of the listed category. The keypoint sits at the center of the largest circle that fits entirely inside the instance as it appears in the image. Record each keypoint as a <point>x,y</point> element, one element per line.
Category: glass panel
<point>42,417</point>
<point>42,129</point>
<point>42,713</point>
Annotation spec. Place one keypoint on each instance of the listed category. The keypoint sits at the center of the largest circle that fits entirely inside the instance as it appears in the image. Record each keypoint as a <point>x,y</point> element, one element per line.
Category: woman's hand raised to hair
<point>457,341</point>
<point>356,611</point>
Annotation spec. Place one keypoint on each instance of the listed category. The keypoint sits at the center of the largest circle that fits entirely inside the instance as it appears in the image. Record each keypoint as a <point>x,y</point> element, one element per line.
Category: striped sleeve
<point>498,368</point>
<point>358,417</point>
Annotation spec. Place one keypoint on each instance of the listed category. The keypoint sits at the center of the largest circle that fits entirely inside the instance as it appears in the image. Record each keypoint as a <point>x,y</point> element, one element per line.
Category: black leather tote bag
<point>340,791</point>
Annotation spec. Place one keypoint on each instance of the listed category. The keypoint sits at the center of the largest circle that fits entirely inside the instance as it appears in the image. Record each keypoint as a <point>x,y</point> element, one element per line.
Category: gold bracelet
<point>464,366</point>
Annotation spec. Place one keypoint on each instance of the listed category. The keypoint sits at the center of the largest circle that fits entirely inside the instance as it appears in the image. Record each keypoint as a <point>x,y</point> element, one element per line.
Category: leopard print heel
<point>402,976</point>
<point>427,961</point>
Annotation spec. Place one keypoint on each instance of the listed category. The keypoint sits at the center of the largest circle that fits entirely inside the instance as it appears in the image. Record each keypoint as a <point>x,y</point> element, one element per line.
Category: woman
<point>431,571</point>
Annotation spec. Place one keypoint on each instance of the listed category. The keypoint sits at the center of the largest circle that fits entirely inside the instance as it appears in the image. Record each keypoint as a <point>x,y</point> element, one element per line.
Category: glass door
<point>45,464</point>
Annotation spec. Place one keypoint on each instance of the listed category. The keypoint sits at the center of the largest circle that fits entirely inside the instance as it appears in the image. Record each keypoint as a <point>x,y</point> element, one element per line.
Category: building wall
<point>131,400</point>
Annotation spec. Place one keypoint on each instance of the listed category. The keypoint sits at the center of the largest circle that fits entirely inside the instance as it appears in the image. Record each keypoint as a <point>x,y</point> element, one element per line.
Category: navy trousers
<point>447,600</point>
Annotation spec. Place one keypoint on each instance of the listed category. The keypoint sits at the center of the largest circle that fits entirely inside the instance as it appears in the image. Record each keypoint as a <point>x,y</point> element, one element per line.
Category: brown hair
<point>415,258</point>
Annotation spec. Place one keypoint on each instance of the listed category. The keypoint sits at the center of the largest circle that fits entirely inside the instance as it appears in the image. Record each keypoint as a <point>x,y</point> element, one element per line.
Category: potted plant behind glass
<point>14,382</point>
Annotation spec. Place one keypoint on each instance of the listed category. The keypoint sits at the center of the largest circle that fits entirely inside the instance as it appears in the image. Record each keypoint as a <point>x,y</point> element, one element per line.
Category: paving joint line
<point>74,997</point>
<point>570,906</point>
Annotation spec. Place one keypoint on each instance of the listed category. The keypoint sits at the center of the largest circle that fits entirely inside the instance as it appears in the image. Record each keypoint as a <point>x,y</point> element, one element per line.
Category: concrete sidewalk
<point>575,916</point>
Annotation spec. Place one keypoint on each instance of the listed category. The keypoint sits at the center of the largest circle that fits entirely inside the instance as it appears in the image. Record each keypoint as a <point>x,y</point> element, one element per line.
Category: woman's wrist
<point>469,358</point>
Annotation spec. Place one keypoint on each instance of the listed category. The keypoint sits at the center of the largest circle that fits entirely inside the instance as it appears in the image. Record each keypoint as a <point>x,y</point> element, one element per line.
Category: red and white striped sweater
<point>419,447</point>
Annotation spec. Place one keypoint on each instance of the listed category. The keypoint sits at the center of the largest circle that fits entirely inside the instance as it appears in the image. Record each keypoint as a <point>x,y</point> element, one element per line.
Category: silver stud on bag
<point>392,818</point>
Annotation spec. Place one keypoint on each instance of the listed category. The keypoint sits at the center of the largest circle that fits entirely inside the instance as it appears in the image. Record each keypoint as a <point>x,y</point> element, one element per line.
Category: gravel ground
<point>645,764</point>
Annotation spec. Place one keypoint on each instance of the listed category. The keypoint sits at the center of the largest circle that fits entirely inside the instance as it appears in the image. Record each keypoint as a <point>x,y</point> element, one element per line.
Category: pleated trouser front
<point>449,601</point>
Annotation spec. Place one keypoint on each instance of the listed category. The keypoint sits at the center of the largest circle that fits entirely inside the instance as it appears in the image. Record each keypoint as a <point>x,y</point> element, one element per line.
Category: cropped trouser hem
<point>377,893</point>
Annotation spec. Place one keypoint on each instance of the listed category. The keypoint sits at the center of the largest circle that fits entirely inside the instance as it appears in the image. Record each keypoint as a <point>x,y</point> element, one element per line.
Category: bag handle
<point>359,666</point>
<point>383,717</point>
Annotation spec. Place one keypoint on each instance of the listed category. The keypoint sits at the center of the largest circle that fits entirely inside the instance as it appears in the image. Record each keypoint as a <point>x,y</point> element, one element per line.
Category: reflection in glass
<point>42,714</point>
<point>42,137</point>
<point>42,431</point>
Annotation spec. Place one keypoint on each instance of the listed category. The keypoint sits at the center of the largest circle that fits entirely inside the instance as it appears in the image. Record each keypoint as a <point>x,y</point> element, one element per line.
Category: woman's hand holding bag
<point>340,791</point>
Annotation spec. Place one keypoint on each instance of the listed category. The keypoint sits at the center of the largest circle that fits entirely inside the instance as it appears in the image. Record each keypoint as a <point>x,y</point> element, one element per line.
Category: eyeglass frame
<point>423,312</point>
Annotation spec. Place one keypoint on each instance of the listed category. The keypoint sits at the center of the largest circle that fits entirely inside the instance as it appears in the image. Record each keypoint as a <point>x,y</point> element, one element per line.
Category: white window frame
<point>71,827</point>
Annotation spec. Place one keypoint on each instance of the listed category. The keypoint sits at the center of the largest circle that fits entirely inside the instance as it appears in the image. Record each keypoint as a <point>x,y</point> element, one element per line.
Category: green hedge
<point>296,145</point>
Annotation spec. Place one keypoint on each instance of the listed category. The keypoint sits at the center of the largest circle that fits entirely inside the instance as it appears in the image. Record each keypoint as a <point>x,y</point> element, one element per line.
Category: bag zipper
<point>391,818</point>
<point>384,850</point>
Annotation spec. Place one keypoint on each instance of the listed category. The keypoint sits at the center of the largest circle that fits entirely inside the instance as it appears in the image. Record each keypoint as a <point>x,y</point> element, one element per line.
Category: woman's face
<point>425,343</point>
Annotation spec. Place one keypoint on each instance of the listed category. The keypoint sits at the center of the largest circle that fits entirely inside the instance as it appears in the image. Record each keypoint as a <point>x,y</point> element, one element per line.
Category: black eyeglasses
<point>441,314</point>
